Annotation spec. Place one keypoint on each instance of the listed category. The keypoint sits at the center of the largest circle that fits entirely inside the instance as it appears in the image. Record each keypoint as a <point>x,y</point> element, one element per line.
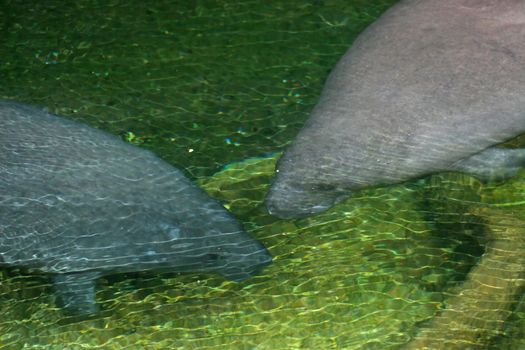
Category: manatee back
<point>426,85</point>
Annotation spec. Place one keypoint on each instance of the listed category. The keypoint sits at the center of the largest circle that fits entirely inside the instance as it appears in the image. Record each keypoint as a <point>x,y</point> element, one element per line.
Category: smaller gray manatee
<point>79,203</point>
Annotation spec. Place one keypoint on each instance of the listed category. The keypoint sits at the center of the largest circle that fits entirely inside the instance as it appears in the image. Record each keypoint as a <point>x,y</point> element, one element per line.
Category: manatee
<point>430,86</point>
<point>78,203</point>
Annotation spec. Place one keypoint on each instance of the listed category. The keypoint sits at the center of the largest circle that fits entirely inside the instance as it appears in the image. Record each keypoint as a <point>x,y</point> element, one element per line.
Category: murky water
<point>208,83</point>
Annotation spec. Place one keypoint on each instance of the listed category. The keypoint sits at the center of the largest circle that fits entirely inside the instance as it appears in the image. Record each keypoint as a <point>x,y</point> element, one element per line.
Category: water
<point>210,83</point>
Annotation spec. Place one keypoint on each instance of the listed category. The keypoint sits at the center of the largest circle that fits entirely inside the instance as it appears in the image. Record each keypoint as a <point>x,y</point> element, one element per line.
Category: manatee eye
<point>212,257</point>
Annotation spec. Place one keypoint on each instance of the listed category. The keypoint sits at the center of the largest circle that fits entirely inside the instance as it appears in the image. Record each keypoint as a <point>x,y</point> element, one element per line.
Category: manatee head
<point>302,186</point>
<point>217,245</point>
<point>291,199</point>
<point>241,261</point>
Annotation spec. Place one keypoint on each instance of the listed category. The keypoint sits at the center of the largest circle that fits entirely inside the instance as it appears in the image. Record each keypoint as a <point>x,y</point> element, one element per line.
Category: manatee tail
<point>493,164</point>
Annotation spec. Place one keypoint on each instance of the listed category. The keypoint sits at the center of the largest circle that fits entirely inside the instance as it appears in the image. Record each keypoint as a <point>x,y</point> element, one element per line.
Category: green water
<point>209,83</point>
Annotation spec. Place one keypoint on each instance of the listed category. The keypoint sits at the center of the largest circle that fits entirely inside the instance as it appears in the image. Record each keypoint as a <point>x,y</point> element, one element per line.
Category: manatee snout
<point>288,200</point>
<point>243,261</point>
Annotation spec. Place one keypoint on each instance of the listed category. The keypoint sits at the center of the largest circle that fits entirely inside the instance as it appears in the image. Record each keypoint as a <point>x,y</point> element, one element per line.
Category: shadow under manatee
<point>476,311</point>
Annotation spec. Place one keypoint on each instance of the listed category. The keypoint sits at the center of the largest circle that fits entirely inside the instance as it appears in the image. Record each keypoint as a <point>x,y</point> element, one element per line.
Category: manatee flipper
<point>493,163</point>
<point>76,292</point>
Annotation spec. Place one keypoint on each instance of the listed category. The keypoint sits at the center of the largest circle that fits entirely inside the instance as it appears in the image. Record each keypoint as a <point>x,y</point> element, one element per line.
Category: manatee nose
<point>280,209</point>
<point>294,211</point>
<point>249,265</point>
<point>300,204</point>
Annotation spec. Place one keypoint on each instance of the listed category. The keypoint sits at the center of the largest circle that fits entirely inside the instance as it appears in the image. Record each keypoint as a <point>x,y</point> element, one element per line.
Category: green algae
<point>357,276</point>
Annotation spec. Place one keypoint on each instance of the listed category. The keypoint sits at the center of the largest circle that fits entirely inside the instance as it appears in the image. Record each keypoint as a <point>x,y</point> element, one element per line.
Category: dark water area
<point>219,89</point>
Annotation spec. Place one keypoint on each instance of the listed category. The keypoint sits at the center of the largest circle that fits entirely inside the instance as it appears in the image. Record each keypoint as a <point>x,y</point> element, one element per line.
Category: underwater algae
<point>353,278</point>
<point>475,311</point>
<point>363,275</point>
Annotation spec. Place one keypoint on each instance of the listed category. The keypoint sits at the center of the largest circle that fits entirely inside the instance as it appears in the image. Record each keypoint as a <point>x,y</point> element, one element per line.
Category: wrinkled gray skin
<point>79,203</point>
<point>428,87</point>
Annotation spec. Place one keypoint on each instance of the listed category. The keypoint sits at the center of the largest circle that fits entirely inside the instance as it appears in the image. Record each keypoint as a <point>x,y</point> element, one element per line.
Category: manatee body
<point>428,87</point>
<point>79,203</point>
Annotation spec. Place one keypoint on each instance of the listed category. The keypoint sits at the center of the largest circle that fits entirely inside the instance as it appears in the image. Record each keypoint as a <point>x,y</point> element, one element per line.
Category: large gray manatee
<point>78,203</point>
<point>430,86</point>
